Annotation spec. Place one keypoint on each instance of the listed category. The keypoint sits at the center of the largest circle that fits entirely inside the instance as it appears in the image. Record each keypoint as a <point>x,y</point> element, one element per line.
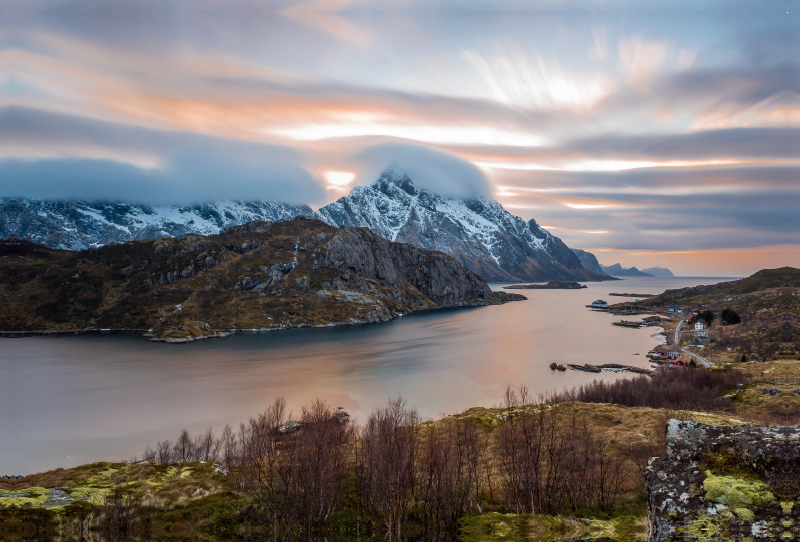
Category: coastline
<point>223,333</point>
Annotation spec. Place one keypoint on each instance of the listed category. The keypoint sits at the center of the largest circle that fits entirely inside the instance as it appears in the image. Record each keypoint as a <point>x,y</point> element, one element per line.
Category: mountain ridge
<point>478,232</point>
<point>78,224</point>
<point>617,270</point>
<point>589,261</point>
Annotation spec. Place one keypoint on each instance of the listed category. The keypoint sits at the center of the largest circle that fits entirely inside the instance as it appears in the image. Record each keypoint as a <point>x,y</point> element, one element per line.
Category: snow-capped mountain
<point>76,225</point>
<point>478,232</point>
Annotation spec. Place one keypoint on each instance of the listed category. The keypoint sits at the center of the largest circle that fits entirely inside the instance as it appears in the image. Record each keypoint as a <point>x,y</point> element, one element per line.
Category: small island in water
<point>552,285</point>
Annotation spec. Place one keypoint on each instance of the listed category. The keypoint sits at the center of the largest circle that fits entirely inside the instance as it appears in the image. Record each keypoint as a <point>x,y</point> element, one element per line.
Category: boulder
<point>724,483</point>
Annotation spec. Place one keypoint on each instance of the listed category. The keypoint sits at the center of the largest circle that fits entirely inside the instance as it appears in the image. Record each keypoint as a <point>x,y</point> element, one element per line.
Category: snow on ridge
<point>76,225</point>
<point>387,204</point>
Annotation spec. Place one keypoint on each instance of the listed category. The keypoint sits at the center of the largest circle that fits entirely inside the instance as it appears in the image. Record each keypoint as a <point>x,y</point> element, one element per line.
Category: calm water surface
<point>66,401</point>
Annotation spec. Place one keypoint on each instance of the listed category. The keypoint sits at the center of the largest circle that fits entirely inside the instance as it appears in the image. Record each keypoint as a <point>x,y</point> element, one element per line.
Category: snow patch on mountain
<point>478,232</point>
<point>77,225</point>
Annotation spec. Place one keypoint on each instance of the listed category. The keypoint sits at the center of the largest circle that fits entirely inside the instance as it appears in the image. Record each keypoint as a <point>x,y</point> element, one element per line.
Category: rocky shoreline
<point>371,318</point>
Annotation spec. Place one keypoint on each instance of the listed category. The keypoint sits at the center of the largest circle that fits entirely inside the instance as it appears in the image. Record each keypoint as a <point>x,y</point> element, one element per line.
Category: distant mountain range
<point>77,225</point>
<point>478,232</point>
<point>617,270</point>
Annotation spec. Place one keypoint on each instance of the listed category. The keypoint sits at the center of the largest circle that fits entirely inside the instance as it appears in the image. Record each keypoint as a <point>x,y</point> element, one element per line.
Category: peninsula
<point>257,276</point>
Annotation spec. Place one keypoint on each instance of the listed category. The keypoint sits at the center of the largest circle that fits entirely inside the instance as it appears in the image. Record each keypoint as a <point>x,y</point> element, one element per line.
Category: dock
<point>625,323</point>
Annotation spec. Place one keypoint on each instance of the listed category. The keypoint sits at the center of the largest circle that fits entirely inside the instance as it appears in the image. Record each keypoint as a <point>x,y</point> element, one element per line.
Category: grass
<point>160,484</point>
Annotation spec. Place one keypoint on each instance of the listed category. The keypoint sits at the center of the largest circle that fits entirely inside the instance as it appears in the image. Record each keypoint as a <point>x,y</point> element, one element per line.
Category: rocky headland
<point>257,276</point>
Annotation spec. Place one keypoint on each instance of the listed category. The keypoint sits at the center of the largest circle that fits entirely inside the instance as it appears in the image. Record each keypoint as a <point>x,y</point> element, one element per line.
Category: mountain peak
<point>395,176</point>
<point>475,230</point>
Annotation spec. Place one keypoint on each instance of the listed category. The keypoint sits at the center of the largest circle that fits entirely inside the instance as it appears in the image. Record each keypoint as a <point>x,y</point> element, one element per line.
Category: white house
<point>699,326</point>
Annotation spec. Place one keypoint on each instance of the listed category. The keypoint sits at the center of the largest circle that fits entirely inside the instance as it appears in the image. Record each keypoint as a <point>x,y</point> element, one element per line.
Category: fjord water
<point>69,400</point>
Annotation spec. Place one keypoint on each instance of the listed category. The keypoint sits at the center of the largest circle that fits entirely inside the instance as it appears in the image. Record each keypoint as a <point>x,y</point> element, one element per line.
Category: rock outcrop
<point>725,483</point>
<point>589,261</point>
<point>260,275</point>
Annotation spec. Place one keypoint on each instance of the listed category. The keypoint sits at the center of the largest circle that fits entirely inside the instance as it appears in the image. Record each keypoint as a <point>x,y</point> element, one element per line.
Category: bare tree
<point>228,445</point>
<point>319,453</point>
<point>257,464</point>
<point>183,450</point>
<point>387,463</point>
<point>163,452</point>
<point>449,474</point>
<point>207,446</point>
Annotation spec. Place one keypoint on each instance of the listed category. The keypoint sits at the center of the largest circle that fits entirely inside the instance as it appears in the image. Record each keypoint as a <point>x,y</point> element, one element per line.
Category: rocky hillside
<point>77,225</point>
<point>300,272</point>
<point>589,261</point>
<point>477,232</point>
<point>768,304</point>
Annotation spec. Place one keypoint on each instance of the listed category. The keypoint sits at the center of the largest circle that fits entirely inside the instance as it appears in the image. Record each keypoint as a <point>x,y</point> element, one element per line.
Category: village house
<point>667,352</point>
<point>699,326</point>
<point>673,308</point>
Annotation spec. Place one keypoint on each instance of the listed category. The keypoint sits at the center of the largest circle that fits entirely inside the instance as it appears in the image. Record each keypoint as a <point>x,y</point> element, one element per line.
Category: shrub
<point>682,389</point>
<point>730,316</point>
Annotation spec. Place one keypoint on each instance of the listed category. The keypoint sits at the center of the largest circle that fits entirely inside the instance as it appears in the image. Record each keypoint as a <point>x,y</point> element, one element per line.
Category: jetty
<point>625,323</point>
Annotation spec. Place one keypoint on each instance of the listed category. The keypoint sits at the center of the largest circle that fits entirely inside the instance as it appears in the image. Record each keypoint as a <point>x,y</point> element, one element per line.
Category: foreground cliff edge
<point>261,275</point>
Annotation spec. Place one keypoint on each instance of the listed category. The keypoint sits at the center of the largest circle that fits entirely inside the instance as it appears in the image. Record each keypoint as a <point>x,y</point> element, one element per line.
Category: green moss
<point>787,507</point>
<point>31,496</point>
<point>745,514</point>
<point>704,529</point>
<point>736,492</point>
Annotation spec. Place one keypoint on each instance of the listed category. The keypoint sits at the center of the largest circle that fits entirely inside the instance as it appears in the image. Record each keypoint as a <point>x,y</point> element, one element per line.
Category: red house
<point>667,352</point>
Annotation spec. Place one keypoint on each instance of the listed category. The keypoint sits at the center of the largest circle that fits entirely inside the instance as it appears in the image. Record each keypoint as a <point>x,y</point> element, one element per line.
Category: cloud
<point>663,209</point>
<point>59,156</point>
<point>515,79</point>
<point>641,60</point>
<point>433,170</point>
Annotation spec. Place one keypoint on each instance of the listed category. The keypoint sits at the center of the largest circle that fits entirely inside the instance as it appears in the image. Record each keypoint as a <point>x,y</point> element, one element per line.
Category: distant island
<point>658,272</point>
<point>552,285</point>
<point>617,270</point>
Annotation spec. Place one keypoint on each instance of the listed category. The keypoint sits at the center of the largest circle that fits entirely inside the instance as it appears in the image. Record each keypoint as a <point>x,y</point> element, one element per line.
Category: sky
<point>649,133</point>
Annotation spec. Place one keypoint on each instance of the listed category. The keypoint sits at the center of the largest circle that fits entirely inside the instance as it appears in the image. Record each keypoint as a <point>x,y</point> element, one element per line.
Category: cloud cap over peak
<point>430,169</point>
